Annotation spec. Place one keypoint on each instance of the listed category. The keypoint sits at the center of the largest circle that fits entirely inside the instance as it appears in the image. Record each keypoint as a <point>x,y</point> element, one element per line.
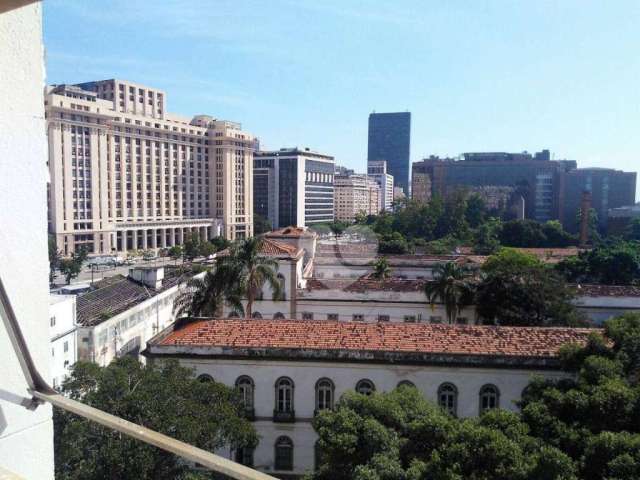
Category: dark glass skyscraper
<point>390,140</point>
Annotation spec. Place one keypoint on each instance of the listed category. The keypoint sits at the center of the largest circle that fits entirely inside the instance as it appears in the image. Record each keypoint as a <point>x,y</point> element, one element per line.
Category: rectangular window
<point>383,318</point>
<point>307,315</point>
<point>66,346</point>
<point>410,319</point>
<point>358,317</point>
<point>435,319</point>
<point>332,316</point>
<point>52,321</point>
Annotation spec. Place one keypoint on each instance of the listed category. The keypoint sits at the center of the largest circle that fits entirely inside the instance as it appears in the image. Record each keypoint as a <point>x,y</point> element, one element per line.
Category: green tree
<point>400,436</point>
<point>518,289</point>
<point>70,268</point>
<point>476,211</point>
<point>453,286</point>
<point>393,244</point>
<point>594,415</point>
<point>486,237</point>
<point>206,296</point>
<point>166,398</point>
<point>54,258</point>
<point>175,252</point>
<point>261,224</point>
<point>191,246</point>
<point>251,270</point>
<point>632,232</point>
<point>220,243</point>
<point>381,268</point>
<point>338,228</point>
<point>613,263</point>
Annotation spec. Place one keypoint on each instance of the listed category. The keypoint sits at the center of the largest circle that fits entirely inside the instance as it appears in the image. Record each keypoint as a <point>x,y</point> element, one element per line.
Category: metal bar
<point>42,392</point>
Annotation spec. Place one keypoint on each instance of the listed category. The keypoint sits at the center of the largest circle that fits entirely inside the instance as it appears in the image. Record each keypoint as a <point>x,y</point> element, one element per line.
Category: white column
<point>172,236</point>
<point>163,237</point>
<point>144,238</point>
<point>180,236</point>
<point>123,241</point>
<point>134,234</point>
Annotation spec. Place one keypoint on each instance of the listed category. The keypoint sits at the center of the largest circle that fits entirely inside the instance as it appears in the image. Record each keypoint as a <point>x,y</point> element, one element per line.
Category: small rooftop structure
<point>273,248</point>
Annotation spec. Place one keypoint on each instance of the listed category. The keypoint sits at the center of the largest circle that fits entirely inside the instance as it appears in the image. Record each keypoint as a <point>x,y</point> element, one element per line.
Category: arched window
<point>448,397</point>
<point>284,395</point>
<point>324,394</point>
<point>284,454</point>
<point>234,314</point>
<point>278,316</point>
<point>256,315</point>
<point>365,387</point>
<point>489,398</point>
<point>244,456</point>
<point>205,378</point>
<point>406,383</point>
<point>245,385</point>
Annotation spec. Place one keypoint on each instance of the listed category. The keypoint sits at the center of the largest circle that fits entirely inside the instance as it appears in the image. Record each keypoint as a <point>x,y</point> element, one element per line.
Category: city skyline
<point>517,76</point>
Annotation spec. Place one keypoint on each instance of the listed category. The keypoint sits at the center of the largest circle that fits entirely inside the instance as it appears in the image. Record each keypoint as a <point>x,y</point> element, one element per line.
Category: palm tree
<point>205,297</point>
<point>248,271</point>
<point>452,286</point>
<point>381,268</point>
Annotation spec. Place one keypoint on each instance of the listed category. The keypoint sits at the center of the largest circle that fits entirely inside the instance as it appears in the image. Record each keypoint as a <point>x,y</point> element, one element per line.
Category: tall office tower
<point>609,188</point>
<point>377,170</point>
<point>534,178</point>
<point>355,194</point>
<point>390,140</point>
<point>127,175</point>
<point>293,187</point>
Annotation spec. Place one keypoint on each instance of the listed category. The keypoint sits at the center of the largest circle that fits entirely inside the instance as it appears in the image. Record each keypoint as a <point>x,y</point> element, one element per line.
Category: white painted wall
<point>469,381</point>
<point>600,309</point>
<point>26,436</point>
<point>98,343</point>
<point>63,330</point>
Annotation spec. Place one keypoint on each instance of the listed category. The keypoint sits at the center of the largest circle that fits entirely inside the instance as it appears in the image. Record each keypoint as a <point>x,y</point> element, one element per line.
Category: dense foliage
<point>518,289</point>
<point>615,262</point>
<point>594,418</point>
<point>165,398</point>
<point>400,436</point>
<point>584,427</point>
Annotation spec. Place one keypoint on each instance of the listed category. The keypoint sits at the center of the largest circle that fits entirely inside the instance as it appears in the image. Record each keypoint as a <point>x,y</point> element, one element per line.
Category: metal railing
<point>42,392</point>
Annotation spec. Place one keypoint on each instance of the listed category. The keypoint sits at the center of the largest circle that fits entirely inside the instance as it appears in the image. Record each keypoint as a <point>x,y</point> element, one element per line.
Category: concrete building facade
<point>26,434</point>
<point>289,370</point>
<point>534,177</point>
<point>293,187</point>
<point>355,194</point>
<point>377,170</point>
<point>63,330</point>
<point>609,189</point>
<point>127,175</point>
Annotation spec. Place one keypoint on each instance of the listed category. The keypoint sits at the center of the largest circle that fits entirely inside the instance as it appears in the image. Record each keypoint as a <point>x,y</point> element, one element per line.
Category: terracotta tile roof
<point>272,248</point>
<point>291,232</point>
<point>275,248</point>
<point>586,290</point>
<point>366,283</point>
<point>432,339</point>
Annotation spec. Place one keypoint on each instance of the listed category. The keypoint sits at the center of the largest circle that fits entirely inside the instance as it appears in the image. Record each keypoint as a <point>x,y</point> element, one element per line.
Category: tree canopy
<point>166,398</point>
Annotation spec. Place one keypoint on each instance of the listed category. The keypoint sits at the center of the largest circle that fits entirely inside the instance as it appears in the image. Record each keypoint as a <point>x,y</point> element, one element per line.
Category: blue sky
<point>476,75</point>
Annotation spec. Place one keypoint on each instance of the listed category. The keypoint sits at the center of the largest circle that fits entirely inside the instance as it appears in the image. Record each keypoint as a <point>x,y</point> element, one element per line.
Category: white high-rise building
<point>125,174</point>
<point>377,171</point>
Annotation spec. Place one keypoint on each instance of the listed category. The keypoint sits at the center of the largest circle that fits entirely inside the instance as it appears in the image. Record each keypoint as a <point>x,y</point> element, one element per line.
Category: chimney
<point>585,208</point>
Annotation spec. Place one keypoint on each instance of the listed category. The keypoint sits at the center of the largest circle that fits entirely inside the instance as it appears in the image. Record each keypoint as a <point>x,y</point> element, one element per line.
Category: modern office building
<point>535,178</point>
<point>377,170</point>
<point>390,140</point>
<point>621,217</point>
<point>421,178</point>
<point>609,189</point>
<point>293,187</point>
<point>355,194</point>
<point>125,174</point>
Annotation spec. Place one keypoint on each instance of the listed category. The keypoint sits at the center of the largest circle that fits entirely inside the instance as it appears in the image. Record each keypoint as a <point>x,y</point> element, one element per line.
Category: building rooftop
<point>113,295</point>
<point>403,342</point>
<point>291,232</point>
<point>592,290</point>
<point>273,248</point>
<point>366,283</point>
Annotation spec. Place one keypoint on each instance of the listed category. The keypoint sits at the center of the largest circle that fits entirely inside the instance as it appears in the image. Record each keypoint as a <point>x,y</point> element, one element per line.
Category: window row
<point>447,395</point>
